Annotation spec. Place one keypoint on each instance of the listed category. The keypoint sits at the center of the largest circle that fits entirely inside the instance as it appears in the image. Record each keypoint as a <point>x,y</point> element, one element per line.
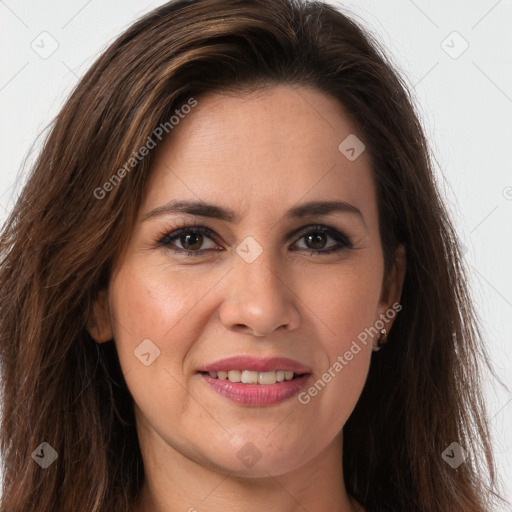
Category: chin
<point>257,459</point>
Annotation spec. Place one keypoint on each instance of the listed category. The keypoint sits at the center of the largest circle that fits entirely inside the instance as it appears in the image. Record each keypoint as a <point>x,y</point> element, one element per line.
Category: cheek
<point>344,300</point>
<point>153,299</point>
<point>152,308</point>
<point>345,303</point>
<point>148,303</point>
<point>334,391</point>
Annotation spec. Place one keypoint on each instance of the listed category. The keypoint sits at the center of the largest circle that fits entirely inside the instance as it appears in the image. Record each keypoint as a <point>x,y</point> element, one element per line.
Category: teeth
<point>267,377</point>
<point>252,377</point>
<point>235,375</point>
<point>249,377</point>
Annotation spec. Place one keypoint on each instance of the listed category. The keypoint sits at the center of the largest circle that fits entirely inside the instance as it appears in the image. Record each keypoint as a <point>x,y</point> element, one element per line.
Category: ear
<point>99,325</point>
<point>392,287</point>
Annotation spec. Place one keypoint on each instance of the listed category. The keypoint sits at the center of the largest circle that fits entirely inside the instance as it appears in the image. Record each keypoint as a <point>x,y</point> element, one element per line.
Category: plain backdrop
<point>456,57</point>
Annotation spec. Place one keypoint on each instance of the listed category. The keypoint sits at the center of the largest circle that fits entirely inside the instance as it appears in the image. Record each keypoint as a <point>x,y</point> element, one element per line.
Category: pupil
<point>187,241</point>
<point>317,239</point>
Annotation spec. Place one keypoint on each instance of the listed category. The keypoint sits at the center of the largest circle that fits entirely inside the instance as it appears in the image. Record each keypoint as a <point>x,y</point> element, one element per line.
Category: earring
<point>381,341</point>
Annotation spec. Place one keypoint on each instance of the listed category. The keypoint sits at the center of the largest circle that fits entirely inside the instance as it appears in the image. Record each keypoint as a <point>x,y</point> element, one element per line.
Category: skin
<point>258,153</point>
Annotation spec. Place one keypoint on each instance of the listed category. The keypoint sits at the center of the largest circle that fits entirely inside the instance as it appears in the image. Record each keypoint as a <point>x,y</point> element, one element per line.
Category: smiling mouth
<point>254,377</point>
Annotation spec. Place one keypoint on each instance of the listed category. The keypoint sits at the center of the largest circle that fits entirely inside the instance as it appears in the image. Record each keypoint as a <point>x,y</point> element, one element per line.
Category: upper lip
<point>256,364</point>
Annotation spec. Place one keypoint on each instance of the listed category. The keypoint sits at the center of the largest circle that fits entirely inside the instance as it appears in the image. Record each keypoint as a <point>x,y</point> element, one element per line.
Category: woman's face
<point>276,278</point>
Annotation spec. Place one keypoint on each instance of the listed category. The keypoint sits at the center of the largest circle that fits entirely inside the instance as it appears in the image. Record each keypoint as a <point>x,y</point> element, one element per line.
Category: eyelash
<point>165,239</point>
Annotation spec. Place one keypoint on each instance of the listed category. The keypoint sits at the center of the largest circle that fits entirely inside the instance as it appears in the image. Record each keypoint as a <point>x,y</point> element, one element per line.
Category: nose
<point>258,300</point>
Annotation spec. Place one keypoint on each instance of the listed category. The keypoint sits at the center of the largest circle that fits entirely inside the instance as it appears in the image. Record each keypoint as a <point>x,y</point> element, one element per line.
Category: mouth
<point>257,382</point>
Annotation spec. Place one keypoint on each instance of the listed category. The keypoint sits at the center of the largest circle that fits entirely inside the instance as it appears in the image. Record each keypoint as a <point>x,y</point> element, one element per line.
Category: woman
<point>234,211</point>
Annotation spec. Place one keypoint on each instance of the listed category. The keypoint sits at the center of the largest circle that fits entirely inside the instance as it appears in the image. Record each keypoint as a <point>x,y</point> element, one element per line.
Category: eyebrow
<point>202,209</point>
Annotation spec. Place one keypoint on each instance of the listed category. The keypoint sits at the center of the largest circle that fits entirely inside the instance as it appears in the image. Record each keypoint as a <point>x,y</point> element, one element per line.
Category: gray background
<point>464,96</point>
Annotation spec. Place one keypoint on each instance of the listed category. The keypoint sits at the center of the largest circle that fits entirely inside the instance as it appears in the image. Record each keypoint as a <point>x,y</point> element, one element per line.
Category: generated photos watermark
<point>343,360</point>
<point>138,156</point>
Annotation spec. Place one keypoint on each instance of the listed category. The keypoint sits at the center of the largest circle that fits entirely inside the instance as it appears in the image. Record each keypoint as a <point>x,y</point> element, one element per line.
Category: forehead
<point>264,150</point>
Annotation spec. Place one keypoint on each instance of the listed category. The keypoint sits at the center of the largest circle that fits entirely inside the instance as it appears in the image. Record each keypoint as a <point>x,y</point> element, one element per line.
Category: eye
<point>192,238</point>
<point>315,239</point>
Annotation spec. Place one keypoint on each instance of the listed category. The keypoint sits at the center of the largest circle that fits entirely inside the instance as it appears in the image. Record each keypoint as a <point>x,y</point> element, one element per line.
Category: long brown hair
<point>62,239</point>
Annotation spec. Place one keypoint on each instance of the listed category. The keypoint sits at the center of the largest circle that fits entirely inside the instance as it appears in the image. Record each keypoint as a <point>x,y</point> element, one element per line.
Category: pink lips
<point>257,394</point>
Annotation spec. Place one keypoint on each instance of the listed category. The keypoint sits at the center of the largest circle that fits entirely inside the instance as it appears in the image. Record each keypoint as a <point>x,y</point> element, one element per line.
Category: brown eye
<point>316,238</point>
<point>316,241</point>
<point>191,241</point>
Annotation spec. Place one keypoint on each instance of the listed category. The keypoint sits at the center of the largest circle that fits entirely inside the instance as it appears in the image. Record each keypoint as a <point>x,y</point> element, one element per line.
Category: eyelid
<point>176,233</point>
<point>332,232</point>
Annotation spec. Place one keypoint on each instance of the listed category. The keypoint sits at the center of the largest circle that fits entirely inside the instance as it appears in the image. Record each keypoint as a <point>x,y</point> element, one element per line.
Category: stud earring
<point>381,341</point>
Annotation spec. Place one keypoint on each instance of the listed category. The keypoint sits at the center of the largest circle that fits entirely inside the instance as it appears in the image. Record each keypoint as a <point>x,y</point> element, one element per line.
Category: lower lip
<point>256,394</point>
